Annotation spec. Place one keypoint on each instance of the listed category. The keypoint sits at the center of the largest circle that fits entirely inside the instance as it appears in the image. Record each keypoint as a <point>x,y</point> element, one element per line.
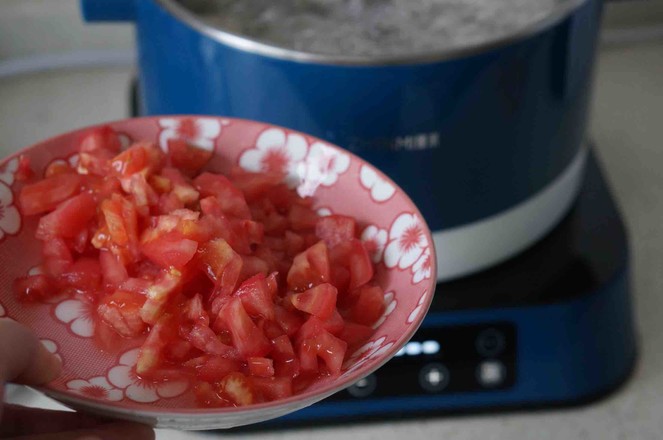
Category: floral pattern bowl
<point>105,382</point>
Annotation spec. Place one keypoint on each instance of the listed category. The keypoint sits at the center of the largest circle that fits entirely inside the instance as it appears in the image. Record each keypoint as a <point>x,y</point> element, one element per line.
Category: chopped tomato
<point>246,336</point>
<point>369,306</point>
<point>231,199</point>
<point>186,157</point>
<point>319,300</point>
<point>335,229</point>
<point>212,368</point>
<point>261,366</point>
<point>256,298</point>
<point>222,264</point>
<point>102,138</point>
<point>309,268</point>
<point>237,389</point>
<point>24,170</point>
<point>232,281</point>
<point>272,388</point>
<point>170,250</point>
<point>121,311</point>
<point>45,195</point>
<point>34,288</point>
<point>68,219</point>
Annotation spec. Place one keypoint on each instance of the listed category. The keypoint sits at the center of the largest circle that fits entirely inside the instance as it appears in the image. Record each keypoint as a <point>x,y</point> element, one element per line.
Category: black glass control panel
<point>445,360</point>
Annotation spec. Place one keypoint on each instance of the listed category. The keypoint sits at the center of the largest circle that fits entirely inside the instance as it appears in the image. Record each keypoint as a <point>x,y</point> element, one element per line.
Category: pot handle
<point>108,10</point>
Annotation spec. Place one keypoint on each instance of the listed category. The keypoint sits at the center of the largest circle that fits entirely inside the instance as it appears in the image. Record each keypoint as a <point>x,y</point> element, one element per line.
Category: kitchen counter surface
<point>627,126</point>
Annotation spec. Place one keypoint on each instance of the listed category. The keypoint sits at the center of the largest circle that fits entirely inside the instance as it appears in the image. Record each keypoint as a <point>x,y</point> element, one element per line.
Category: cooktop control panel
<point>448,359</point>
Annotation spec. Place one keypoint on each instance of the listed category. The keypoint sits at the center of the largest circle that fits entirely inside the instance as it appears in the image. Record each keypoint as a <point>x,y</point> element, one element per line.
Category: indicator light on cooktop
<point>415,348</point>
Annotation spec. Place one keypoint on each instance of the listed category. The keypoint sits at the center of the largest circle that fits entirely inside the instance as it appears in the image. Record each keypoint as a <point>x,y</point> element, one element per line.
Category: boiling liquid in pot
<point>373,27</point>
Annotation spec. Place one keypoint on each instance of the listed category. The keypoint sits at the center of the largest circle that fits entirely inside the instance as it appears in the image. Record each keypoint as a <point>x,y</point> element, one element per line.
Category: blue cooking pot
<point>487,140</point>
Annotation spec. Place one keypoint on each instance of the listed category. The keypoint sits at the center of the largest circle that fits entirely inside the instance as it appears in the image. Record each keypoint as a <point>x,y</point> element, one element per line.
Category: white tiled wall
<point>29,27</point>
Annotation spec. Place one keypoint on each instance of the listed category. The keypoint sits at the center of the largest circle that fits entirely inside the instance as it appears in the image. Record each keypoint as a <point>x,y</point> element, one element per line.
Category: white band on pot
<point>469,248</point>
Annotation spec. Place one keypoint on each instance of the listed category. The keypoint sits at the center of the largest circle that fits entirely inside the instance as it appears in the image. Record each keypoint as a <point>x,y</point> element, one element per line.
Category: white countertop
<point>627,125</point>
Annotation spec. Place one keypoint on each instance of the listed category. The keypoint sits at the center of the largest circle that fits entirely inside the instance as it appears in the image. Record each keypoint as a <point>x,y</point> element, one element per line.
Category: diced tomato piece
<point>34,288</point>
<point>237,389</point>
<point>143,194</point>
<point>58,167</point>
<point>207,396</point>
<point>57,256</point>
<point>319,300</point>
<point>302,218</point>
<point>340,278</point>
<point>160,184</point>
<point>246,336</point>
<point>158,295</point>
<point>151,353</point>
<point>335,323</point>
<point>331,350</point>
<point>84,274</point>
<point>309,268</point>
<point>195,312</point>
<point>231,199</point>
<point>205,340</point>
<point>121,220</point>
<point>141,157</point>
<point>254,185</point>
<point>252,265</point>
<point>102,138</point>
<point>169,202</point>
<point>316,341</point>
<point>113,272</point>
<point>137,285</point>
<point>290,321</point>
<point>24,171</point>
<point>261,366</point>
<point>335,229</point>
<point>94,162</point>
<point>213,368</point>
<point>170,250</point>
<point>353,255</point>
<point>80,242</point>
<point>355,335</point>
<point>256,298</point>
<point>294,243</point>
<point>46,194</point>
<point>286,363</point>
<point>369,306</point>
<point>186,157</point>
<point>178,351</point>
<point>272,284</point>
<point>222,264</point>
<point>121,310</point>
<point>272,388</point>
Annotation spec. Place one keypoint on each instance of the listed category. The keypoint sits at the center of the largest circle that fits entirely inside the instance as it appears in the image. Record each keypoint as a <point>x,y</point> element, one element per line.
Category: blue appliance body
<point>467,135</point>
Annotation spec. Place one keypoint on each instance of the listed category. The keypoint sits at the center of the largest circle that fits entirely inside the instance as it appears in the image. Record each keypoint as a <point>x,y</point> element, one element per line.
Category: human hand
<point>24,360</point>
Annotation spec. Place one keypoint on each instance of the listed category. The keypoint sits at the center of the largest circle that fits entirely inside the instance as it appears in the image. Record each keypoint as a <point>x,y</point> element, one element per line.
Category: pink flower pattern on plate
<point>8,171</point>
<point>421,269</point>
<point>10,219</point>
<point>407,241</point>
<point>418,309</point>
<point>324,212</point>
<point>276,151</point>
<point>380,189</point>
<point>374,240</point>
<point>124,377</point>
<point>367,352</point>
<point>390,304</point>
<point>201,132</point>
<point>322,167</point>
<point>78,315</point>
<point>51,346</point>
<point>95,388</point>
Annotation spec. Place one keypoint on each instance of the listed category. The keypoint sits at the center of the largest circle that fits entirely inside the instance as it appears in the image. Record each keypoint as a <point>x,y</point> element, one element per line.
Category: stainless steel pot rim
<point>249,45</point>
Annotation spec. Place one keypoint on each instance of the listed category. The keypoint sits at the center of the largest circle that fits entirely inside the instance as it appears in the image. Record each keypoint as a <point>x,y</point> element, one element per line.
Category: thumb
<point>23,359</point>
